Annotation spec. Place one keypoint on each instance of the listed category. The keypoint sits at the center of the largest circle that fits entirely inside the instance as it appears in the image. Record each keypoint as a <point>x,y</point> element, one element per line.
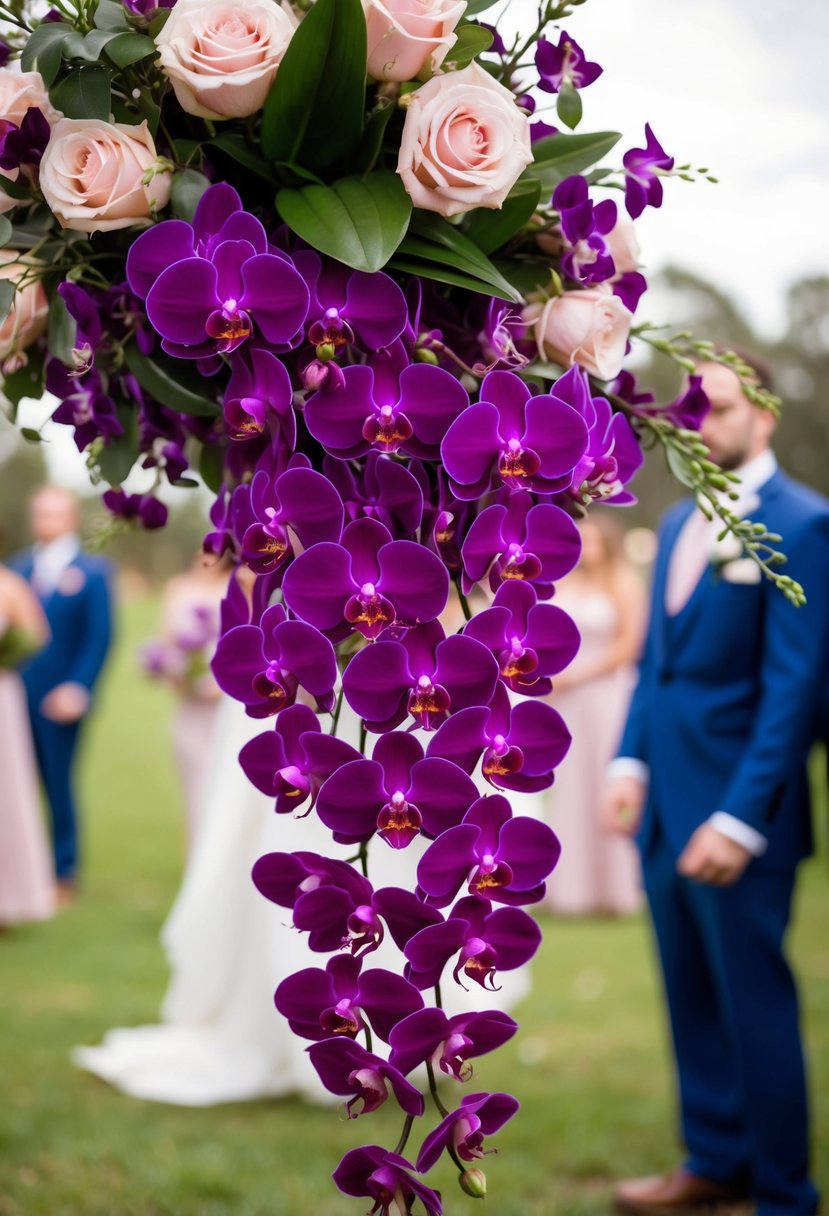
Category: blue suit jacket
<point>724,711</point>
<point>80,619</point>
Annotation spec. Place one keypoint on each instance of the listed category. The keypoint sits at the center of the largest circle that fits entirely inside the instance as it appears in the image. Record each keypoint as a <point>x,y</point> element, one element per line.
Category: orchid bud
<point>473,1182</point>
<point>326,351</point>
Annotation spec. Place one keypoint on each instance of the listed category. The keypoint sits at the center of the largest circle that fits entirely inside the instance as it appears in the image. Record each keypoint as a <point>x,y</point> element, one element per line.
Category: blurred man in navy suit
<point>74,589</point>
<point>711,777</point>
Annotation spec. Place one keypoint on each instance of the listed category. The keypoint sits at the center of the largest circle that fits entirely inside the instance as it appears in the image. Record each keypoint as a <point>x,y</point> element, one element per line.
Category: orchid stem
<point>464,602</point>
<point>438,997</point>
<point>404,1135</point>
<point>363,858</point>
<point>335,717</point>
<point>433,1089</point>
<point>363,736</point>
<point>369,1045</point>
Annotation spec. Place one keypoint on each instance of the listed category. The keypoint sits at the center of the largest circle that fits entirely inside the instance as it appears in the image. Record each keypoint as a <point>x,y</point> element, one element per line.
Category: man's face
<point>53,513</point>
<point>735,430</point>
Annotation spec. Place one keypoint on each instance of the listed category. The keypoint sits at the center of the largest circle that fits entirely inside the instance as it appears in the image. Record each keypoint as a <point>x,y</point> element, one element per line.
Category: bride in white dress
<point>220,1038</point>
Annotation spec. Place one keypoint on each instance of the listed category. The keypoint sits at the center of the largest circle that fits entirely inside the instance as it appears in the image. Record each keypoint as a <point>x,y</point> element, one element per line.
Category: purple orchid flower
<point>147,9</point>
<point>387,1179</point>
<point>397,794</point>
<point>613,455</point>
<point>366,582</point>
<point>530,641</point>
<point>643,187</point>
<point>381,489</point>
<point>141,509</point>
<point>259,391</point>
<point>486,941</point>
<point>630,287</point>
<point>429,1034</point>
<point>529,442</point>
<point>345,1067</point>
<point>564,63</point>
<point>688,411</point>
<point>280,762</point>
<point>389,404</point>
<point>537,544</point>
<point>84,404</point>
<point>498,336</point>
<point>464,1129</point>
<point>340,1000</point>
<point>422,673</point>
<point>265,665</point>
<point>585,226</point>
<point>331,901</point>
<point>300,499</point>
<point>626,386</point>
<point>207,283</point>
<point>521,745</point>
<point>498,856</point>
<point>24,145</point>
<point>349,304</point>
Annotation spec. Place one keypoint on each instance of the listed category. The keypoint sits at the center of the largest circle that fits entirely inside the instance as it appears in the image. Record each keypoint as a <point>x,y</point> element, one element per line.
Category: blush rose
<point>407,36</point>
<point>19,92</point>
<point>27,318</point>
<point>589,327</point>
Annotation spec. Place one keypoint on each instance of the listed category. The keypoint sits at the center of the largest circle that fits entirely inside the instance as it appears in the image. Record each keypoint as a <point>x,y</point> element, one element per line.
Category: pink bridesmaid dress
<point>27,880</point>
<point>597,873</point>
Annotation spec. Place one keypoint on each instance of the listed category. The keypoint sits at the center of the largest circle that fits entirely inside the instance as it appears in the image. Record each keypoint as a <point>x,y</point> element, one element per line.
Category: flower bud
<point>326,351</point>
<point>426,356</point>
<point>473,1182</point>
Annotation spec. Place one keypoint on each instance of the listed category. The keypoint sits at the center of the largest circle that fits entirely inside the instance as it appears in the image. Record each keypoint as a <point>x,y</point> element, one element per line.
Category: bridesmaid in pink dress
<point>27,880</point>
<point>597,873</point>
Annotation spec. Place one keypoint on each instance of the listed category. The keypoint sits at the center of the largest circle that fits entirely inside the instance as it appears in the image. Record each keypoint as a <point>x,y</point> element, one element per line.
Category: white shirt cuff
<point>740,832</point>
<point>627,766</point>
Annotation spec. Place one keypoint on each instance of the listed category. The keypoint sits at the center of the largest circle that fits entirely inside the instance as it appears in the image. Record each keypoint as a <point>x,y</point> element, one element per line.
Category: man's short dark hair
<point>760,366</point>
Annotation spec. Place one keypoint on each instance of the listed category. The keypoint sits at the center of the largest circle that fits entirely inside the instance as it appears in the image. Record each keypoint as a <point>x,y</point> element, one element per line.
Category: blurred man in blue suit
<point>711,777</point>
<point>73,588</point>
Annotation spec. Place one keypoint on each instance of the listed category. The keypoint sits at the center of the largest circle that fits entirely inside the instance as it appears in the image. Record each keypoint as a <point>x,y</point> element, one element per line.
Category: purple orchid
<point>24,145</point>
<point>486,941</point>
<point>529,442</point>
<point>428,1034</point>
<point>142,509</point>
<point>397,793</point>
<point>259,392</point>
<point>147,9</point>
<point>387,1179</point>
<point>530,641</point>
<point>340,1000</point>
<point>207,284</point>
<point>366,582</point>
<point>464,1129</point>
<point>585,226</point>
<point>265,665</point>
<point>286,763</point>
<point>382,489</point>
<point>349,304</point>
<point>422,673</point>
<point>643,187</point>
<point>300,499</point>
<point>331,901</point>
<point>346,1068</point>
<point>564,63</point>
<point>388,404</point>
<point>499,334</point>
<point>688,411</point>
<point>537,544</point>
<point>499,857</point>
<point>614,454</point>
<point>84,404</point>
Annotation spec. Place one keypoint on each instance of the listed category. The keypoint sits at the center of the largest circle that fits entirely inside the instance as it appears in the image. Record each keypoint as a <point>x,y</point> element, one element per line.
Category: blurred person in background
<point>27,879</point>
<point>73,589</point>
<point>604,595</point>
<point>181,658</point>
<point>711,777</point>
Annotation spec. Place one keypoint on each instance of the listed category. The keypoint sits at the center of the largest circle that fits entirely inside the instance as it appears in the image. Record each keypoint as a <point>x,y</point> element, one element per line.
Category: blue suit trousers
<point>55,745</point>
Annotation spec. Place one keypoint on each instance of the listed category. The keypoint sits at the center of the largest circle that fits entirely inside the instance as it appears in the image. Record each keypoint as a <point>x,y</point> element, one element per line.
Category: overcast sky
<point>739,86</point>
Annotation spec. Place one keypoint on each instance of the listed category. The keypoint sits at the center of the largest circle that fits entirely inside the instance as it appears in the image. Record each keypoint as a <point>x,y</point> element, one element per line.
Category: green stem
<point>438,997</point>
<point>335,717</point>
<point>404,1135</point>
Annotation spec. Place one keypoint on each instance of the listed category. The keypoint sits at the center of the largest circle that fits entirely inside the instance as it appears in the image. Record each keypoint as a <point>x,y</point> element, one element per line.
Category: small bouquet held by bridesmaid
<point>332,260</point>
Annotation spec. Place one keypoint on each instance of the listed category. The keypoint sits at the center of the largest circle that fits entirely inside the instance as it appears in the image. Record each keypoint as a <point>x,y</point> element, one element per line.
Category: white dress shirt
<point>50,561</point>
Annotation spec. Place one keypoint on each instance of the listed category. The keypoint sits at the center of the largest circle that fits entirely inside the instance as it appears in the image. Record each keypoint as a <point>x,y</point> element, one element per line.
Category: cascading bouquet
<point>327,255</point>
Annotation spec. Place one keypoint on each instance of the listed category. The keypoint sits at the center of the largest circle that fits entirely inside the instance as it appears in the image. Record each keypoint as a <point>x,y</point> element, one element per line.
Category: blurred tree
<point>22,469</point>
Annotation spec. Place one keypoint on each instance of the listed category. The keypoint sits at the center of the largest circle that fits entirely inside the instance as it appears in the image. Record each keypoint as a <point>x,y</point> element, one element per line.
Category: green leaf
<point>87,46</point>
<point>7,290</point>
<point>44,50</point>
<point>492,229</point>
<point>358,221</point>
<point>162,378</point>
<point>211,466</point>
<point>187,188</point>
<point>526,276</point>
<point>372,141</point>
<point>128,48</point>
<point>432,239</point>
<point>313,114</point>
<point>62,331</point>
<point>17,189</point>
<point>472,40</point>
<point>679,467</point>
<point>568,105</point>
<point>116,458</point>
<point>444,274</point>
<point>84,93</point>
<point>26,382</point>
<point>6,231</point>
<point>560,156</point>
<point>110,15</point>
<point>237,147</point>
<point>31,435</point>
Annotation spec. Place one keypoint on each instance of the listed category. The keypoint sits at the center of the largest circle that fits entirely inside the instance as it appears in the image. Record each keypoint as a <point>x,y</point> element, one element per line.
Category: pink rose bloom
<point>221,58</point>
<point>465,143</point>
<point>27,318</point>
<point>96,176</point>
<point>19,92</point>
<point>406,36</point>
<point>587,327</point>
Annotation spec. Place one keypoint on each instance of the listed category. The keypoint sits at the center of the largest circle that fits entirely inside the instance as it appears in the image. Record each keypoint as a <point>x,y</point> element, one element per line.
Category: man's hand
<point>713,858</point>
<point>622,806</point>
<point>66,703</point>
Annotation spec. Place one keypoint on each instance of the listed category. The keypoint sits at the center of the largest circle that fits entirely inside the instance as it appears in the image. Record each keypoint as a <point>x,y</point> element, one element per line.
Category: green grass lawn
<point>590,1064</point>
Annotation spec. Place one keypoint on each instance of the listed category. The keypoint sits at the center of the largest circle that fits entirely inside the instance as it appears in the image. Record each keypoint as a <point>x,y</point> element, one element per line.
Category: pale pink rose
<point>28,315</point>
<point>407,36</point>
<point>465,142</point>
<point>97,176</point>
<point>19,92</point>
<point>221,57</point>
<point>587,327</point>
<point>623,246</point>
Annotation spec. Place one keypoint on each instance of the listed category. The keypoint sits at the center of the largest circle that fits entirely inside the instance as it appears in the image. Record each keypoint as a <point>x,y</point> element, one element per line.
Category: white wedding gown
<point>221,1039</point>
